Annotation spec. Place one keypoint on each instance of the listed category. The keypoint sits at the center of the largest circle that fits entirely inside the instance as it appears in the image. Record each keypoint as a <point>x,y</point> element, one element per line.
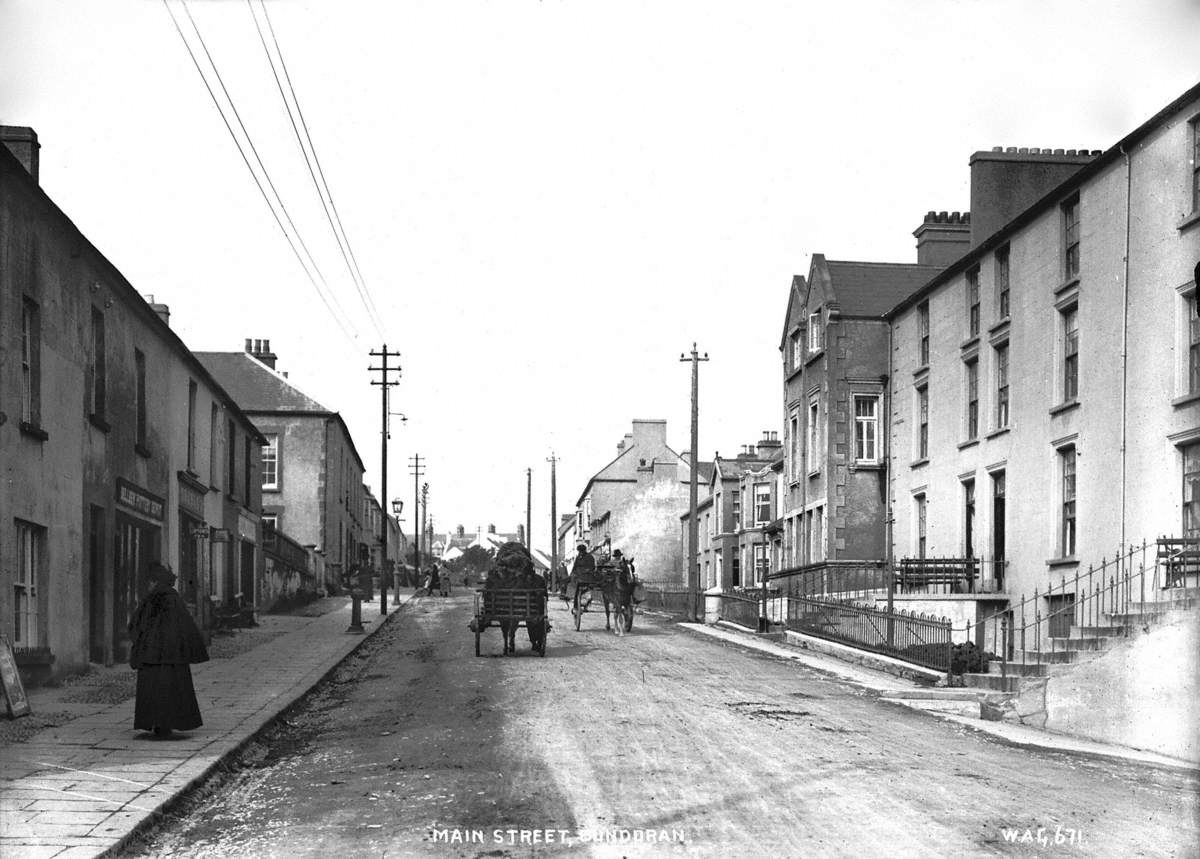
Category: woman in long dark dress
<point>165,642</point>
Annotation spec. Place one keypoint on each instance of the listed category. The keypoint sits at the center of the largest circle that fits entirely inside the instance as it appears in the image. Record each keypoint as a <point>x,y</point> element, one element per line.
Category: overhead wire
<point>316,158</point>
<point>246,160</point>
<point>339,238</point>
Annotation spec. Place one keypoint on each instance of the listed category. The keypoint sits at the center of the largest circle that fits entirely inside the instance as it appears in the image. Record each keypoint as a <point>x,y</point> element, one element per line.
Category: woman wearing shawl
<point>165,642</point>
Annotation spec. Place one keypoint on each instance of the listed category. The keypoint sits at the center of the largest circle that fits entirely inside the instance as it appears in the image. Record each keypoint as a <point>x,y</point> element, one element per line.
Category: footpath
<point>83,788</point>
<point>897,682</point>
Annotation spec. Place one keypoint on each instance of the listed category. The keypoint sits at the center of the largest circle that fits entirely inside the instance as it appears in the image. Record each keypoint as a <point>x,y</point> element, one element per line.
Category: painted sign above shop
<point>139,500</point>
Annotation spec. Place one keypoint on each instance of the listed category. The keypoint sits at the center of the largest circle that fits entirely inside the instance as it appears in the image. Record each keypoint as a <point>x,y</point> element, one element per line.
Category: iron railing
<point>842,580</point>
<point>1122,591</point>
<point>669,597</point>
<point>917,638</point>
<point>741,607</point>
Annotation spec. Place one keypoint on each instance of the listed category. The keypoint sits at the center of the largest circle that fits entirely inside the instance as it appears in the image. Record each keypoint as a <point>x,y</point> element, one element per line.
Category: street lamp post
<point>397,508</point>
<point>693,558</point>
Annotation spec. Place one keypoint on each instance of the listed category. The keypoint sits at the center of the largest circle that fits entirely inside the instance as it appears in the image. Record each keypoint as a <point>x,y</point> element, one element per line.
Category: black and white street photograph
<point>560,428</point>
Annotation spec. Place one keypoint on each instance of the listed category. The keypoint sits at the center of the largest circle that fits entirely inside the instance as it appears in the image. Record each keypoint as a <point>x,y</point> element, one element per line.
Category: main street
<point>415,747</point>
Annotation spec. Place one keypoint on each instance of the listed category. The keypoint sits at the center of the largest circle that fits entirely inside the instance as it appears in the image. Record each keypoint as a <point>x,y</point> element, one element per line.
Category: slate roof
<point>256,387</point>
<point>874,288</point>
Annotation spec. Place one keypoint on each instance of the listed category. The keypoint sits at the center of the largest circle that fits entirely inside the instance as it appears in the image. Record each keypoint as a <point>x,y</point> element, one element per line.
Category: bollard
<point>356,613</point>
<point>382,597</point>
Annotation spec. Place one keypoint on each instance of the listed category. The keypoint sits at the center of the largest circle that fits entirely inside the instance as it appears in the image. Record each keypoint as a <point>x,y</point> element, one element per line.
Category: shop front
<point>139,525</point>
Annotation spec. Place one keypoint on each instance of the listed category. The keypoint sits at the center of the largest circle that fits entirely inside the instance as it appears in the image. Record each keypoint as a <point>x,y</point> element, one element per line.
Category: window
<point>1193,314</point>
<point>972,368</point>
<point>923,333</point>
<point>270,462</point>
<point>794,447</point>
<point>920,502</point>
<point>99,366</point>
<point>31,370</point>
<point>1002,386</point>
<point>1002,282</point>
<point>814,436</point>
<point>969,519</point>
<point>30,545</point>
<point>735,571</point>
<point>231,460</point>
<point>1071,238</point>
<point>191,428</point>
<point>818,534</point>
<point>1070,366</point>
<point>973,302</point>
<point>816,332</point>
<point>1196,165</point>
<point>762,564</point>
<point>866,429</point>
<point>998,518</point>
<point>797,351</point>
<point>1191,490</point>
<point>737,509</point>
<point>922,422</point>
<point>270,523</point>
<point>246,471</point>
<point>1067,517</point>
<point>214,424</point>
<point>762,503</point>
<point>139,361</point>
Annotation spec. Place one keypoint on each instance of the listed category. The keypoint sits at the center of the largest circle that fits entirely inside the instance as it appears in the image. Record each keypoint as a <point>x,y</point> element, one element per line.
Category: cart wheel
<point>578,612</point>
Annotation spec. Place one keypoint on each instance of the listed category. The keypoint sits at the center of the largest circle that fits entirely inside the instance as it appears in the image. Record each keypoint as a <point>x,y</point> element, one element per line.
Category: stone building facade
<point>1046,386</point>
<point>117,447</point>
<point>312,484</point>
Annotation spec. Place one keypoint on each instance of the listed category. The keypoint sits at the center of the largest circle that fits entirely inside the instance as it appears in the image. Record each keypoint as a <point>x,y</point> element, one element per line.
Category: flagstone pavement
<point>84,788</point>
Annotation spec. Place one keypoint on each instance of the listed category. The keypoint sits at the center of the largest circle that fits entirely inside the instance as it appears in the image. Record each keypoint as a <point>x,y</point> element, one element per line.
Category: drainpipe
<point>886,476</point>
<point>1125,333</point>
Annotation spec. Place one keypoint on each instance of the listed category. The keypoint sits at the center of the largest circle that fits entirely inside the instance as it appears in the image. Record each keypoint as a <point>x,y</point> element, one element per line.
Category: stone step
<point>993,682</point>
<point>1054,653</point>
<point>1134,620</point>
<point>1017,669</point>
<point>1172,604</point>
<point>1086,642</point>
<point>1098,631</point>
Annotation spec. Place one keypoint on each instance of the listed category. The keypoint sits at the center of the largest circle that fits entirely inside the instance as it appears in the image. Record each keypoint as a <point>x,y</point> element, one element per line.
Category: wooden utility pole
<point>529,510</point>
<point>385,382</point>
<point>693,557</point>
<point>417,471</point>
<point>553,578</point>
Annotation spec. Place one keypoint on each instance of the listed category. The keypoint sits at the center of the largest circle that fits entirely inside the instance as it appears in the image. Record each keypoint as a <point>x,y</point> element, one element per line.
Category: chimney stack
<point>1006,182</point>
<point>943,237</point>
<point>163,311</point>
<point>261,349</point>
<point>22,142</point>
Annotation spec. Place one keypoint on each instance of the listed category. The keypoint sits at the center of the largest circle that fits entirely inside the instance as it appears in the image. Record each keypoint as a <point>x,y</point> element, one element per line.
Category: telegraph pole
<point>693,564</point>
<point>529,510</point>
<point>553,460</point>
<point>417,471</point>
<point>385,382</point>
<point>425,515</point>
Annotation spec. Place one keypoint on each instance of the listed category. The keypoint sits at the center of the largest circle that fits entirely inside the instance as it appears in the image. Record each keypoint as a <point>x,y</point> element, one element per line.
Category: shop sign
<point>139,500</point>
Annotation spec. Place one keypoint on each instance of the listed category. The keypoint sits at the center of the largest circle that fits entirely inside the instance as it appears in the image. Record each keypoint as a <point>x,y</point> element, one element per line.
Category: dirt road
<point>658,743</point>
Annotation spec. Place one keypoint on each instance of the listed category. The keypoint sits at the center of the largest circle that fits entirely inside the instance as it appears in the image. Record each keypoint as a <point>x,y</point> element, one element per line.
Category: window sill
<point>99,423</point>
<point>997,432</point>
<point>33,431</point>
<point>973,340</point>
<point>920,371</point>
<point>1061,408</point>
<point>1068,561</point>
<point>867,466</point>
<point>142,450</point>
<point>212,487</point>
<point>1003,323</point>
<point>1189,222</point>
<point>814,473</point>
<point>271,490</point>
<point>1186,400</point>
<point>814,356</point>
<point>1070,283</point>
<point>971,442</point>
<point>917,463</point>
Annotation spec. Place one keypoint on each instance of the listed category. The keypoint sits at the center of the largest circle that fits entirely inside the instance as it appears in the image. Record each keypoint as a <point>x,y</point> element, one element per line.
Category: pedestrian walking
<point>166,642</point>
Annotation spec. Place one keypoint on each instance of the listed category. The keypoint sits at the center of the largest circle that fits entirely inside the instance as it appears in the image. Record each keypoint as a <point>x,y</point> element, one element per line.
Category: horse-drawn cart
<point>509,609</point>
<point>606,581</point>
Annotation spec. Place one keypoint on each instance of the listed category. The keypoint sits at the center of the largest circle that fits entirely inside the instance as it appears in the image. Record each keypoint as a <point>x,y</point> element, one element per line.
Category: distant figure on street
<point>443,580</point>
<point>433,582</point>
<point>585,564</point>
<point>165,642</point>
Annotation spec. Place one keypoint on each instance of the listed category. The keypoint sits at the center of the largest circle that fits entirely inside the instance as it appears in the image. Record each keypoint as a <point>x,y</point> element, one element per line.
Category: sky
<point>548,202</point>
